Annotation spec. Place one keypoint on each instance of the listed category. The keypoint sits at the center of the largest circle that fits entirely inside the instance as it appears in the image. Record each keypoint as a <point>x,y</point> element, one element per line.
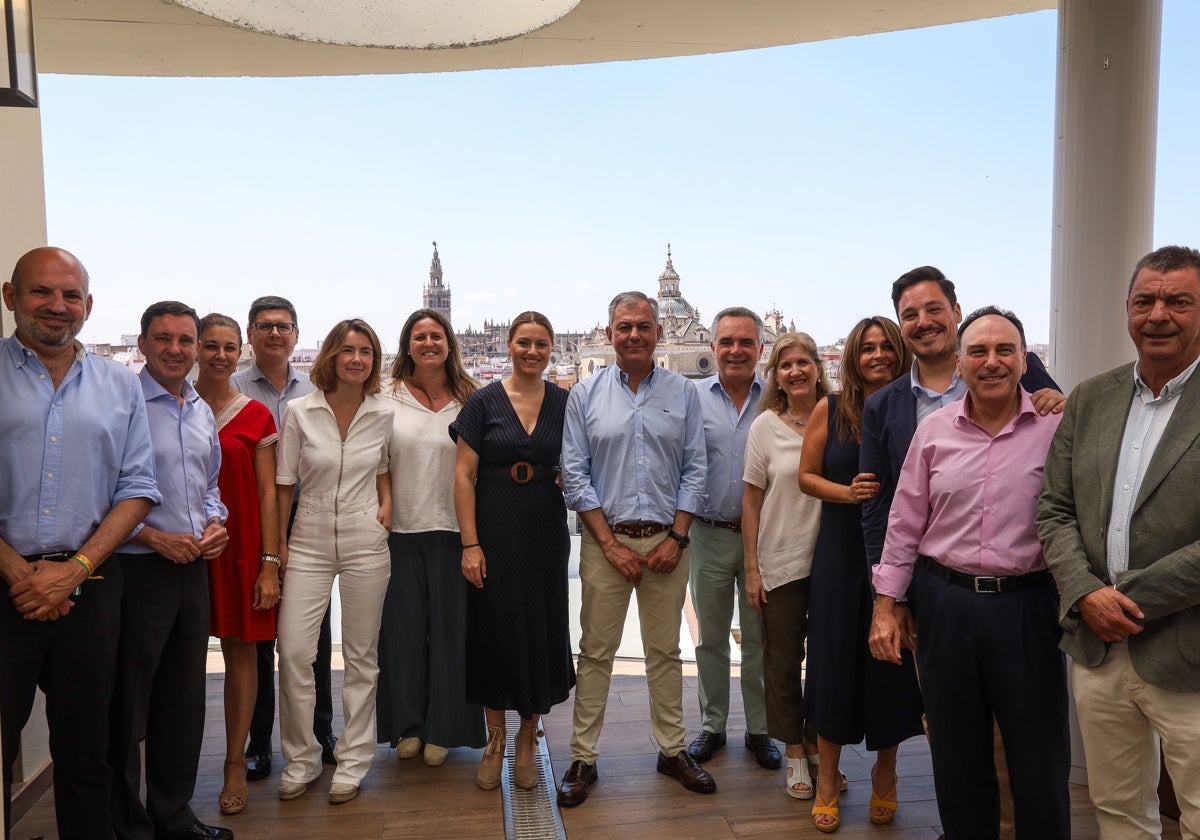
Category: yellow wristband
<point>82,560</point>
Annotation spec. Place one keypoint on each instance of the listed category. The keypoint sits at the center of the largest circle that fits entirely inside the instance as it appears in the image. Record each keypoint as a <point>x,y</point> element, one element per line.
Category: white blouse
<point>790,519</point>
<point>423,469</point>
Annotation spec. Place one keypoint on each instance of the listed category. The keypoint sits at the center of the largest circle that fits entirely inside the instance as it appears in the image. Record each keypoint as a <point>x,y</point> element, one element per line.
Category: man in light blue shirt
<point>273,330</point>
<point>633,466</point>
<point>78,476</point>
<point>730,401</point>
<point>160,689</point>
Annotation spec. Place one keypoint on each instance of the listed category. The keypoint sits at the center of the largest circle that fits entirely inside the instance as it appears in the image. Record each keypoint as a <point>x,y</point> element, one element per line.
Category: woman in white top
<point>779,531</point>
<point>422,646</point>
<point>334,443</point>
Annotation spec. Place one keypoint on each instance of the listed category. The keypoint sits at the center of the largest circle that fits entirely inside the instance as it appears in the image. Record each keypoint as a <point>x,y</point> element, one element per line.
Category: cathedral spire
<point>437,294</point>
<point>435,268</point>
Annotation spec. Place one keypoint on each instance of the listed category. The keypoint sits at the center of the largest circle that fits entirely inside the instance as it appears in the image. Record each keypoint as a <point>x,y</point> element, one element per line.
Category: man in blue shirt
<point>164,616</point>
<point>633,466</point>
<point>272,330</point>
<point>78,476</point>
<point>730,401</point>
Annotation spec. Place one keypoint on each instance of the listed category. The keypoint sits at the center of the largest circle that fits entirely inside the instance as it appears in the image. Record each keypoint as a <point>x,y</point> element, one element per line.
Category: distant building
<point>685,345</point>
<point>437,294</point>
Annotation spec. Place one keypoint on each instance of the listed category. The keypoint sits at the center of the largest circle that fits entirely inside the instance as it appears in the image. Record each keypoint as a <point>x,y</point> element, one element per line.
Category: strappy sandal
<point>883,808</point>
<point>231,801</point>
<point>799,782</point>
<point>488,775</point>
<point>827,809</point>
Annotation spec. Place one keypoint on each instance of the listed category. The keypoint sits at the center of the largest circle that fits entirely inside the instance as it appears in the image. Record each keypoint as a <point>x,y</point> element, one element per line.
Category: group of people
<point>909,554</point>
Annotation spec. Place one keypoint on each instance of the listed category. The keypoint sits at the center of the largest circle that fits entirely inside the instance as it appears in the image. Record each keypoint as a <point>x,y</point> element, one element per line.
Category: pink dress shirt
<point>967,499</point>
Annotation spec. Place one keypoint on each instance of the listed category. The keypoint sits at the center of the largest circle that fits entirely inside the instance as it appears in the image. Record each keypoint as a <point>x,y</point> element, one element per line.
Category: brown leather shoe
<point>706,745</point>
<point>691,775</point>
<point>573,789</point>
<point>764,749</point>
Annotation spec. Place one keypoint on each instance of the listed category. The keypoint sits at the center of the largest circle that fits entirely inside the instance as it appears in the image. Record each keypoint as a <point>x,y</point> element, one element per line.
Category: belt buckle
<point>988,584</point>
<point>519,469</point>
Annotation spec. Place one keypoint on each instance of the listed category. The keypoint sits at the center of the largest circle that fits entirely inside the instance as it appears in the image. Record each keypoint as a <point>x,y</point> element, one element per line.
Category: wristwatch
<point>683,539</point>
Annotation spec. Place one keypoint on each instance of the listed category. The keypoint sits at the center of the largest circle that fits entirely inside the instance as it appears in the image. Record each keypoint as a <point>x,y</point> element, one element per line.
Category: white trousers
<point>362,581</point>
<point>1123,719</point>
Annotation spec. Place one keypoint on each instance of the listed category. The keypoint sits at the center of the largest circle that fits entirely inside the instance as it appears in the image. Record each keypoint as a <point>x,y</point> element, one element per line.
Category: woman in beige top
<point>779,531</point>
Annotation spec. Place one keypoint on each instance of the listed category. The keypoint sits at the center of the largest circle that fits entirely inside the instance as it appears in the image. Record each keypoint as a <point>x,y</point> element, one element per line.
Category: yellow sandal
<point>827,809</point>
<point>885,804</point>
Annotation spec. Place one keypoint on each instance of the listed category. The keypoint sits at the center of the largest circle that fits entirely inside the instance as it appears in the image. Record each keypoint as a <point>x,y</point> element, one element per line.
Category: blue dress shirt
<point>726,431</point>
<point>70,454</point>
<point>254,384</point>
<point>187,459</point>
<point>638,457</point>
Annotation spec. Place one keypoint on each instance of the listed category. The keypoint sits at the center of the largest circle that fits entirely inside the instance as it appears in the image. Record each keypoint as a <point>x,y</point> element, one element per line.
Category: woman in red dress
<point>244,580</point>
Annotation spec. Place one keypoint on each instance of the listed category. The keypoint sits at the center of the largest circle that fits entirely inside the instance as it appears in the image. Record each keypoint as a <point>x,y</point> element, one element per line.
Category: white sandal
<point>797,774</point>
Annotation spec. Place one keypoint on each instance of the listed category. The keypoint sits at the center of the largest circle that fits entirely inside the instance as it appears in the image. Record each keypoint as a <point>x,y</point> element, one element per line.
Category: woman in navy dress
<point>513,524</point>
<point>852,695</point>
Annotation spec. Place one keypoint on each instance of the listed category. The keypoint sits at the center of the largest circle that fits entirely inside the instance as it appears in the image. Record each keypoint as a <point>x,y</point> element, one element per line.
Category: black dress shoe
<point>573,788</point>
<point>706,745</point>
<point>691,775</point>
<point>764,749</point>
<point>196,831</point>
<point>327,744</point>
<point>258,765</point>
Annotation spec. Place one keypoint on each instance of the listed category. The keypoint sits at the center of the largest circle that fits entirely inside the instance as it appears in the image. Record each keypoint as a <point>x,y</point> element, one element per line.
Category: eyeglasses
<point>267,327</point>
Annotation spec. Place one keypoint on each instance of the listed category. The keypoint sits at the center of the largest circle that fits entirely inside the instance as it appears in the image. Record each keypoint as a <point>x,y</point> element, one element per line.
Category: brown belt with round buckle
<point>638,529</point>
<point>522,472</point>
<point>730,524</point>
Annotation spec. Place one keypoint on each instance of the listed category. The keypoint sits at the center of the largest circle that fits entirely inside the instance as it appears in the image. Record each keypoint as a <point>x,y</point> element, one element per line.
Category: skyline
<point>779,176</point>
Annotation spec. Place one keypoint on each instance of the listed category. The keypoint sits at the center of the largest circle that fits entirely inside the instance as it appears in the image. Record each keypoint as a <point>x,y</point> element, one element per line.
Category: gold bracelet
<point>82,560</point>
<point>273,559</point>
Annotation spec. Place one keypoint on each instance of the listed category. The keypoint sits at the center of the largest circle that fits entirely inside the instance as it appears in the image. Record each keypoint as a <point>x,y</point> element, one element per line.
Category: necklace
<point>803,424</point>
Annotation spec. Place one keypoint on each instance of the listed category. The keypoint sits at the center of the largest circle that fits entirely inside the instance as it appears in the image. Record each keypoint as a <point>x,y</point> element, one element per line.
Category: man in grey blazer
<point>1119,522</point>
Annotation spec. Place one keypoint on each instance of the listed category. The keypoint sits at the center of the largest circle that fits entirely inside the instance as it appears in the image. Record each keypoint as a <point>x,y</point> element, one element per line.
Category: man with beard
<point>78,476</point>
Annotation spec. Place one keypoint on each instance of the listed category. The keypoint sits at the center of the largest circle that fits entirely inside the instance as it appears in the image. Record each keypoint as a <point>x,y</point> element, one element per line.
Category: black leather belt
<point>638,529</point>
<point>522,472</point>
<point>729,524</point>
<point>987,584</point>
<point>50,557</point>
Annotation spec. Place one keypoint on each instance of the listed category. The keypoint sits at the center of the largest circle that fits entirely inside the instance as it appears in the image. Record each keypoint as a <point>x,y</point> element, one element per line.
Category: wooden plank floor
<point>406,799</point>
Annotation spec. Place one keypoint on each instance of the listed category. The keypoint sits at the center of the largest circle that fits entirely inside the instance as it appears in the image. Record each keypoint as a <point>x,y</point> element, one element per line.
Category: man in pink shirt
<point>964,509</point>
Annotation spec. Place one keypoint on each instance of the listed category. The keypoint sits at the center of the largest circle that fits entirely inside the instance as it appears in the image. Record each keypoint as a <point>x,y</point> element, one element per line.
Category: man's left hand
<point>1048,401</point>
<point>213,541</point>
<point>664,557</point>
<point>41,596</point>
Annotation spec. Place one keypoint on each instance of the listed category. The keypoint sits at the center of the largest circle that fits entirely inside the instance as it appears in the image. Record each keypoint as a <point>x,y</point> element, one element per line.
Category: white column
<point>1106,131</point>
<point>23,210</point>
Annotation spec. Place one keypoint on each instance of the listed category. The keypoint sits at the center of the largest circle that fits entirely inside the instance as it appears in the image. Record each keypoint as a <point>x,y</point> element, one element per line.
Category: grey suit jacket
<point>1163,578</point>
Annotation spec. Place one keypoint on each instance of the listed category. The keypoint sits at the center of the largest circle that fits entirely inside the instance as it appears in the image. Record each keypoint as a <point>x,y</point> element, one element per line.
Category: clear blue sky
<point>804,178</point>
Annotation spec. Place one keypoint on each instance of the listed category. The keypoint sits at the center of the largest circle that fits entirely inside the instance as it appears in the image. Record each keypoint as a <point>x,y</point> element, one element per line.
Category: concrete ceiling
<point>163,38</point>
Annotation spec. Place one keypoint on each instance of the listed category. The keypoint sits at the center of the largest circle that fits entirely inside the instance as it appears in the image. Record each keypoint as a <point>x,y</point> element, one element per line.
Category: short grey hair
<point>741,312</point>
<point>632,299</point>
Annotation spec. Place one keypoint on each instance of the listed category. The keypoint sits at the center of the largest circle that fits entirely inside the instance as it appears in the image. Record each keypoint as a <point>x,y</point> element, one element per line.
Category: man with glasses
<point>271,379</point>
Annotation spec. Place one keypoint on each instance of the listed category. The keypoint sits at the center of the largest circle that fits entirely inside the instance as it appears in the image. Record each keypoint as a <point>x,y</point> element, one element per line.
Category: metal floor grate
<point>530,814</point>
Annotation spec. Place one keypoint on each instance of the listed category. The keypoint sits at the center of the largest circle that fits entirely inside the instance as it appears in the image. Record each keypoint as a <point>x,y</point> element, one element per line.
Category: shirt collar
<point>153,390</point>
<point>623,377</point>
<point>962,411</point>
<point>919,389</point>
<point>20,353</point>
<point>257,375</point>
<point>1171,390</point>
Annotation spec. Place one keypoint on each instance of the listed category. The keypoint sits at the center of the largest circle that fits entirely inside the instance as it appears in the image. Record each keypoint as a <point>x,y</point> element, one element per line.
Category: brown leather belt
<point>729,524</point>
<point>522,472</point>
<point>638,529</point>
<point>986,584</point>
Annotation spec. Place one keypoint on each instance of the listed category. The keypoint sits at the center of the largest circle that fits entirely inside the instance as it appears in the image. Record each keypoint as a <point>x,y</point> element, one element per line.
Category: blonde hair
<point>774,397</point>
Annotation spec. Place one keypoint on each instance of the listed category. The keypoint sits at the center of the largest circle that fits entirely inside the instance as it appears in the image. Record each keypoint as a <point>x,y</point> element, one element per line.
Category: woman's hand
<point>384,517</point>
<point>863,487</point>
<point>266,587</point>
<point>474,566</point>
<point>756,596</point>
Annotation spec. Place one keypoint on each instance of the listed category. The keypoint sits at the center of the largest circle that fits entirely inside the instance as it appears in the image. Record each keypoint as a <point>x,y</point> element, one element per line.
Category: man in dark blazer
<point>928,312</point>
<point>1119,522</point>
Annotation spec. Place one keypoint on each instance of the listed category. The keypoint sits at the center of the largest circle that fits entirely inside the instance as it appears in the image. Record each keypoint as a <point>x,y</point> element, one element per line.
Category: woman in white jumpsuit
<point>334,443</point>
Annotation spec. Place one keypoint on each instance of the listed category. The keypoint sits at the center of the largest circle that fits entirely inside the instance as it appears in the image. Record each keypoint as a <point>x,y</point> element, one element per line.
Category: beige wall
<point>23,211</point>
